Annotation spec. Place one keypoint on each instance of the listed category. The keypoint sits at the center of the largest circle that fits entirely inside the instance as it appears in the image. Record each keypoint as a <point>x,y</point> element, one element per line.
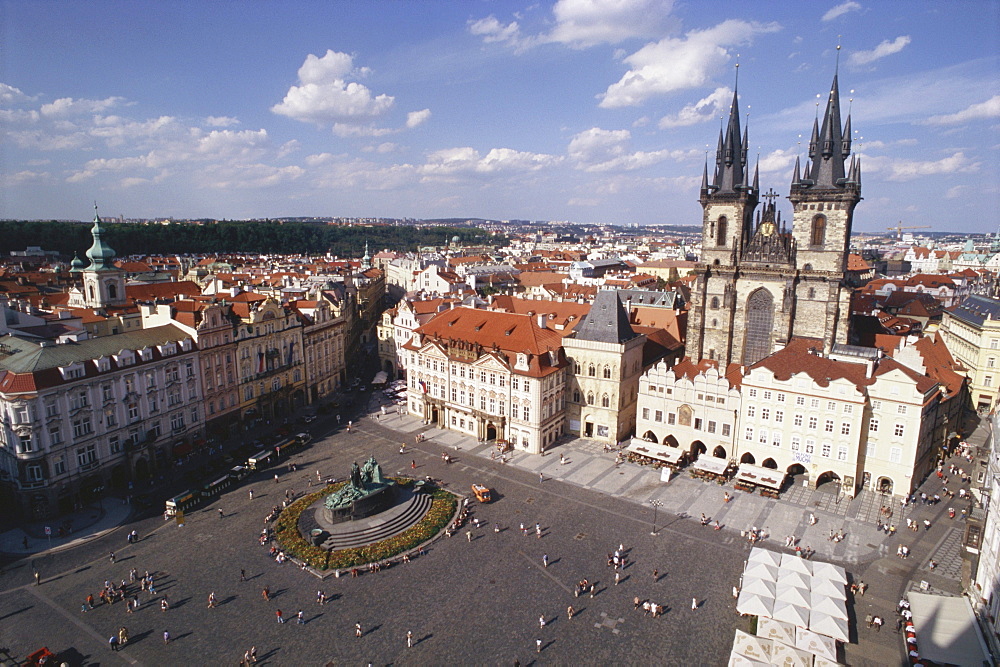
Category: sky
<point>590,111</point>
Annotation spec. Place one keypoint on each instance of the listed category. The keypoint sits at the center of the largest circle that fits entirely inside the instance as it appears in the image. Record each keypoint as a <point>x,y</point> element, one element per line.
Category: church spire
<point>100,253</point>
<point>828,148</point>
<point>731,156</point>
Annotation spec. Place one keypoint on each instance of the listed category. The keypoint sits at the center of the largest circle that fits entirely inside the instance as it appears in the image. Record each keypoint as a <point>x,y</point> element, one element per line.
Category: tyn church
<point>759,283</point>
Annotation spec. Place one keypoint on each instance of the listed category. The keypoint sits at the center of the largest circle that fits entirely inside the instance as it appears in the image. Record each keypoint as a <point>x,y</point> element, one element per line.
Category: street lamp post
<point>656,504</point>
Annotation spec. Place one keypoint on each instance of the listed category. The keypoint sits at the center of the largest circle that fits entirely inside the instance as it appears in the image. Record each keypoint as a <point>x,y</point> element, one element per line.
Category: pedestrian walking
<point>166,636</point>
<point>243,574</point>
<point>279,616</point>
<point>113,642</point>
<point>538,531</point>
<point>211,600</point>
<point>545,560</point>
<point>541,478</point>
<point>164,605</point>
<point>538,646</point>
<point>409,639</point>
<point>593,589</point>
<point>618,576</point>
<point>112,557</point>
<point>541,622</point>
<point>251,494</point>
<point>221,513</point>
<point>300,618</point>
<point>266,594</point>
<point>413,464</point>
<point>570,611</point>
<point>357,630</point>
<point>38,578</point>
<point>635,603</point>
<point>468,534</point>
<point>656,576</point>
<point>694,604</point>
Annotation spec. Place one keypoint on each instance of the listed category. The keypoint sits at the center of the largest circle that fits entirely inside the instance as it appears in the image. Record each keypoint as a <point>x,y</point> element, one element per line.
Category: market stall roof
<point>758,555</point>
<point>797,579</point>
<point>766,477</point>
<point>761,571</point>
<point>737,660</point>
<point>830,571</point>
<point>795,614</point>
<point>946,630</point>
<point>792,595</point>
<point>817,644</point>
<point>753,647</point>
<point>652,450</point>
<point>789,656</point>
<point>794,563</point>
<point>711,464</point>
<point>828,588</point>
<point>381,378</point>
<point>755,605</point>
<point>825,624</point>
<point>776,630</point>
<point>759,586</point>
<point>827,605</point>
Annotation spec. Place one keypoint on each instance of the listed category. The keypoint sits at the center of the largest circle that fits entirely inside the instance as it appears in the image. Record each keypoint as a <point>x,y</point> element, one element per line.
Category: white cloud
<point>840,10</point>
<point>583,23</point>
<point>988,109</point>
<point>778,161</point>
<point>417,118</point>
<point>679,63</point>
<point>908,170</point>
<point>67,106</point>
<point>885,48</point>
<point>598,150</point>
<point>705,109</point>
<point>492,30</point>
<point>325,96</point>
<point>382,149</point>
<point>221,121</point>
<point>351,130</point>
<point>467,160</point>
<point>318,159</point>
<point>23,178</point>
<point>956,192</point>
<point>11,95</point>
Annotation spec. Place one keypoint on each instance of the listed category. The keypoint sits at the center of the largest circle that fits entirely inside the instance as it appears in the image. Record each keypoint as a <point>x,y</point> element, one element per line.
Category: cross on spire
<point>770,195</point>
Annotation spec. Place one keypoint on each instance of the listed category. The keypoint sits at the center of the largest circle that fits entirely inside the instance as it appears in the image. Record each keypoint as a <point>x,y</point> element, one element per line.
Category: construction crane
<point>899,229</point>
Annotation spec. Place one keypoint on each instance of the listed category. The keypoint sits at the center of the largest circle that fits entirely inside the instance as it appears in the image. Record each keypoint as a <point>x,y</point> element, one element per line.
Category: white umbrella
<point>750,646</point>
<point>776,630</point>
<point>830,571</point>
<point>759,555</point>
<point>823,662</point>
<point>829,588</point>
<point>789,656</point>
<point>792,595</point>
<point>827,605</point>
<point>737,660</point>
<point>827,625</point>
<point>819,645</point>
<point>791,613</point>
<point>795,564</point>
<point>758,586</point>
<point>786,578</point>
<point>755,605</point>
<point>761,571</point>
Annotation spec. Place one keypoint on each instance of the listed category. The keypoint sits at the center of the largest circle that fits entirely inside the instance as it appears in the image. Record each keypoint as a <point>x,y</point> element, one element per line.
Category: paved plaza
<point>475,602</point>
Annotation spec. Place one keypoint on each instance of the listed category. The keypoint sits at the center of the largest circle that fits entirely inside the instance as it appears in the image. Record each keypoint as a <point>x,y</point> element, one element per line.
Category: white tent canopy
<point>665,453</point>
<point>947,631</point>
<point>761,571</point>
<point>792,595</point>
<point>827,625</point>
<point>829,571</point>
<point>754,605</point>
<point>816,644</point>
<point>776,630</point>
<point>750,646</point>
<point>794,563</point>
<point>827,605</point>
<point>797,579</point>
<point>756,586</point>
<point>737,660</point>
<point>758,555</point>
<point>795,614</point>
<point>828,588</point>
<point>789,656</point>
<point>711,464</point>
<point>760,476</point>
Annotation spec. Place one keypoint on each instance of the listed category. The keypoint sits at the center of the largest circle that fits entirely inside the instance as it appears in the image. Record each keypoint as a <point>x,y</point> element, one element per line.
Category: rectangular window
<point>848,409</point>
<point>482,402</point>
<point>86,457</point>
<point>55,435</point>
<point>726,430</point>
<point>813,423</point>
<point>876,406</point>
<point>503,408</point>
<point>114,443</point>
<point>762,436</point>
<point>831,406</point>
<point>111,419</point>
<point>659,416</point>
<point>873,425</point>
<point>845,428</point>
<point>82,427</point>
<point>645,413</point>
<point>711,426</point>
<point>901,409</point>
<point>870,450</point>
<point>796,443</point>
<point>194,414</point>
<point>454,394</point>
<point>697,423</point>
<point>749,434</point>
<point>810,446</point>
<point>515,382</point>
<point>826,449</point>
<point>797,419</point>
<point>753,393</point>
<point>751,411</point>
<point>33,473</point>
<point>526,413</point>
<point>895,455</point>
<point>107,392</point>
<point>988,381</point>
<point>176,421</point>
<point>59,465</point>
<point>898,431</point>
<point>814,403</point>
<point>765,414</point>
<point>828,426</point>
<point>493,378</point>
<point>779,416</point>
<point>800,400</point>
<point>51,409</point>
<point>776,438</point>
<point>841,452</point>
<point>503,380</point>
<point>781,398</point>
<point>767,396</point>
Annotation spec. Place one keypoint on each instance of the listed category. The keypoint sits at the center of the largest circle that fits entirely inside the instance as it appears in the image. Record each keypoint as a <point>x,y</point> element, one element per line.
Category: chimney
<point>541,320</point>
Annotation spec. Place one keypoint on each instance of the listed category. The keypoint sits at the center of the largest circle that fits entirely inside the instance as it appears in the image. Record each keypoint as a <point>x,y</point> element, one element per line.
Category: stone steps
<point>414,510</point>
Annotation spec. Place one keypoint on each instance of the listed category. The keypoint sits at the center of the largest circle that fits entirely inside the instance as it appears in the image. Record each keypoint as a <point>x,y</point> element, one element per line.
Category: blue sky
<point>583,110</point>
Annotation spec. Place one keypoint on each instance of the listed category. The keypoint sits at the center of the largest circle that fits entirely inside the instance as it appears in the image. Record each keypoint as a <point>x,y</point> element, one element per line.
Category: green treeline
<point>232,237</point>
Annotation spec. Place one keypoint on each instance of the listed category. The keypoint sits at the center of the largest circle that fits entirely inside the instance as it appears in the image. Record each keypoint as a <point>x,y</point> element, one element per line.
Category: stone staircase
<point>374,529</point>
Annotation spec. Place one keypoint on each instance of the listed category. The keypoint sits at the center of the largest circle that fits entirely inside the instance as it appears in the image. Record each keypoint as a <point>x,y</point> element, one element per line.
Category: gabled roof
<point>976,310</point>
<point>607,321</point>
<point>506,331</point>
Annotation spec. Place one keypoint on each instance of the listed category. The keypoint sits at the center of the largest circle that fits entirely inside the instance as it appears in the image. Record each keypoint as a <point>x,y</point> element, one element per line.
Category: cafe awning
<point>946,629</point>
<point>652,450</point>
<point>766,477</point>
<point>711,464</point>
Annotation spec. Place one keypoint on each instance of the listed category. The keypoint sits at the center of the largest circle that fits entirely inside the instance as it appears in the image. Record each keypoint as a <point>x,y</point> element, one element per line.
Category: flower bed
<point>294,544</point>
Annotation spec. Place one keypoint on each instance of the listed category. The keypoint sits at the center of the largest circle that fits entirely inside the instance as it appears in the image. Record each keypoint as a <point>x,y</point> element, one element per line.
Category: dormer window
<point>103,364</point>
<point>72,372</point>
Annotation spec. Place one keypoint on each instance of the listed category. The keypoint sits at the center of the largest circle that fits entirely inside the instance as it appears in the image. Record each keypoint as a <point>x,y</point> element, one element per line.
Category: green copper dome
<point>100,253</point>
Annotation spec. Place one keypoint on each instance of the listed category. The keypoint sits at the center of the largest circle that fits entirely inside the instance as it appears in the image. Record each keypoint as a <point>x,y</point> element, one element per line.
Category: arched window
<point>590,398</point>
<point>720,232</point>
<point>812,292</point>
<point>818,230</point>
<point>605,401</point>
<point>607,372</point>
<point>112,291</point>
<point>576,395</point>
<point>715,303</point>
<point>576,367</point>
<point>592,372</point>
<point>759,326</point>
